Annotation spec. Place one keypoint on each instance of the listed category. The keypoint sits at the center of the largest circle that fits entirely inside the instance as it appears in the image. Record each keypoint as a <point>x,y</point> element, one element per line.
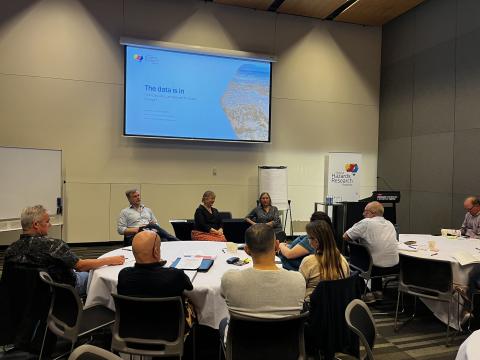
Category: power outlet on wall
<point>214,171</point>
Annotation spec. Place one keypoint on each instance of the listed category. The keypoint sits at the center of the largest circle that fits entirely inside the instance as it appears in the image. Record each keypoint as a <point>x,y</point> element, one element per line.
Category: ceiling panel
<point>312,8</point>
<point>253,4</point>
<point>376,12</point>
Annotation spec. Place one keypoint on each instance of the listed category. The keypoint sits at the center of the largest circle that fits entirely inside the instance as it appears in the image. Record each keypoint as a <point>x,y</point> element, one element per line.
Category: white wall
<point>61,86</point>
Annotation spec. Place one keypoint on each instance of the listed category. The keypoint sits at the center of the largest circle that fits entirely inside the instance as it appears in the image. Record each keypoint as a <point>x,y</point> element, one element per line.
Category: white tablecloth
<point>208,302</point>
<point>470,348</point>
<point>446,247</point>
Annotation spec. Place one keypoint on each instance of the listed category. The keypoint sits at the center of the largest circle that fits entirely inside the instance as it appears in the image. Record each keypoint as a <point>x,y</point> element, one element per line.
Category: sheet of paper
<point>189,263</point>
<point>405,247</point>
<point>465,258</point>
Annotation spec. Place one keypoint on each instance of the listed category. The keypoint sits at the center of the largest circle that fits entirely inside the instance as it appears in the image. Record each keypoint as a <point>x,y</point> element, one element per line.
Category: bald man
<point>471,223</point>
<point>380,237</point>
<point>148,277</point>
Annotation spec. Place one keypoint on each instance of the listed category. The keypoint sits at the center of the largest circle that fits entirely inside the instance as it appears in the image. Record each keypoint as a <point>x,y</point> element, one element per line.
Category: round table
<point>446,248</point>
<point>209,304</point>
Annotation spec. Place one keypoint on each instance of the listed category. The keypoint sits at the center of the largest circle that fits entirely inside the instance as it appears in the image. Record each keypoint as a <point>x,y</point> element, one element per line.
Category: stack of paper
<point>189,263</point>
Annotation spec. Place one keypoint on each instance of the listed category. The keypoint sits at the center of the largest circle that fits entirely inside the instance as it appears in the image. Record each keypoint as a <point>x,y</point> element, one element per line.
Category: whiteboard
<point>29,177</point>
<point>274,180</point>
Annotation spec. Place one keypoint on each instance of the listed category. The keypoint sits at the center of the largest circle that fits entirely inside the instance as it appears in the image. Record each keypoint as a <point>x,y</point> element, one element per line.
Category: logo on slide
<point>137,57</point>
<point>351,168</point>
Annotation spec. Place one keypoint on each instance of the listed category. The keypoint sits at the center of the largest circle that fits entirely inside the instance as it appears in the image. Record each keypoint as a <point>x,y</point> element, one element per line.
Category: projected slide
<point>173,94</point>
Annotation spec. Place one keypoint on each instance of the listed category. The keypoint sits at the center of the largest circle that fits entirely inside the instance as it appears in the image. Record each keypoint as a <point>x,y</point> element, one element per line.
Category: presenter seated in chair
<point>292,254</point>
<point>266,213</point>
<point>136,218</point>
<point>326,263</point>
<point>380,237</point>
<point>36,249</point>
<point>208,222</point>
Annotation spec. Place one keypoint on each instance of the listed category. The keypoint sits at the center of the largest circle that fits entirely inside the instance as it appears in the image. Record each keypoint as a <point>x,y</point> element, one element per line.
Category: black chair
<point>234,230</point>
<point>425,278</point>
<point>149,326</point>
<point>327,331</point>
<point>258,339</point>
<point>225,215</point>
<point>24,304</point>
<point>90,352</point>
<point>67,318</point>
<point>183,228</point>
<point>361,260</point>
<point>360,320</point>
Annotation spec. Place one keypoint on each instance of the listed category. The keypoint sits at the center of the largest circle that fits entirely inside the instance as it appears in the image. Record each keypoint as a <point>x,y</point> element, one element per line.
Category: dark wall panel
<point>431,61</point>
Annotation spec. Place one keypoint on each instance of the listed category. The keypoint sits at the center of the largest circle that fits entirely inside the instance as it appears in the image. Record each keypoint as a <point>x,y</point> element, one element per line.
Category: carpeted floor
<point>423,338</point>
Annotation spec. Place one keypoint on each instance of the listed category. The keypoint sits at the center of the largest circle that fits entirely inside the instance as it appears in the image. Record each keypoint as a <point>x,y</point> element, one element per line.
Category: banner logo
<point>351,168</point>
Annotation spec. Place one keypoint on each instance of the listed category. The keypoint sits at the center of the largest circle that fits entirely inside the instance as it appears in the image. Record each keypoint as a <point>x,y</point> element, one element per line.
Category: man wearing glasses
<point>380,237</point>
<point>471,224</point>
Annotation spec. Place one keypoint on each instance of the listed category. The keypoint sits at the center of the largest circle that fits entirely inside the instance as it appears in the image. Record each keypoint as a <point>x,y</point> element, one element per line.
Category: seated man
<point>137,217</point>
<point>34,248</point>
<point>148,277</point>
<point>471,224</point>
<point>380,237</point>
<point>265,290</point>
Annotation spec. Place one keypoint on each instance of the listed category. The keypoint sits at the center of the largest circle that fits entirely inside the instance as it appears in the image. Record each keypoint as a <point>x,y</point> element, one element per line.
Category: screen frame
<point>181,48</point>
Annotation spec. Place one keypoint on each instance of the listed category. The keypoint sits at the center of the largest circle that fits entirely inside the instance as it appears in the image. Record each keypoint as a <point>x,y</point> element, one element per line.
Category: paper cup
<point>232,247</point>
<point>432,245</point>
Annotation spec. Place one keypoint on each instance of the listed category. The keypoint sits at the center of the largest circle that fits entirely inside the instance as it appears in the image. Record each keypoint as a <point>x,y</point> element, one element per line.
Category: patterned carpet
<point>423,338</point>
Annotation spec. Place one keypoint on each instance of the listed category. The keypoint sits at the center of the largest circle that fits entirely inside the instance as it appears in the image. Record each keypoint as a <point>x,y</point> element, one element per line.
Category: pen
<point>127,249</point>
<point>434,254</point>
<point>413,247</point>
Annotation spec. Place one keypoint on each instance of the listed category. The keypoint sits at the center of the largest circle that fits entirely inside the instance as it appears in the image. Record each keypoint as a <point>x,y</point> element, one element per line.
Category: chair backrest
<point>328,330</point>
<point>360,321</point>
<point>24,303</point>
<point>234,230</point>
<point>225,215</point>
<point>66,309</point>
<point>426,277</point>
<point>148,326</point>
<point>256,338</point>
<point>90,352</point>
<point>360,259</point>
<point>183,229</point>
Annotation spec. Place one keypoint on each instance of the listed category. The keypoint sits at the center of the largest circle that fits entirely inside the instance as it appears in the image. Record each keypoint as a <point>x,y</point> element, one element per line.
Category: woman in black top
<point>208,223</point>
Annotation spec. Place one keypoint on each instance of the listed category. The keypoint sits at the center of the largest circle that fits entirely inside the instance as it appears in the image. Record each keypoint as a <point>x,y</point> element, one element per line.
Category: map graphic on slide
<point>246,102</point>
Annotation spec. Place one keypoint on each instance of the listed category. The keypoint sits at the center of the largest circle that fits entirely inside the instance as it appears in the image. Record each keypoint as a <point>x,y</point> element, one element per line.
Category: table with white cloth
<point>445,247</point>
<point>470,348</point>
<point>205,296</point>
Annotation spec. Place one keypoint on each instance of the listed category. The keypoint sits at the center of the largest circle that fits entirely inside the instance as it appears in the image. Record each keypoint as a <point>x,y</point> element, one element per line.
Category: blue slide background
<point>195,113</point>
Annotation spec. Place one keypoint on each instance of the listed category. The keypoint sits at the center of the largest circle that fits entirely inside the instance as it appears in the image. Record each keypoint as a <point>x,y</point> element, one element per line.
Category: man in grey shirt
<point>136,218</point>
<point>265,290</point>
<point>471,223</point>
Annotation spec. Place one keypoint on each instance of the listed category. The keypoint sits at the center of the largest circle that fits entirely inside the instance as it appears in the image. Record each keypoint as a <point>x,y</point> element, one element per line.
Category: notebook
<point>205,265</point>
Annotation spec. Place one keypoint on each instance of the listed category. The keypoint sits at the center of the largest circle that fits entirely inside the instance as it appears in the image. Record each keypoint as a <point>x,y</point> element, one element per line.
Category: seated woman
<point>327,263</point>
<point>292,254</point>
<point>266,213</point>
<point>208,223</point>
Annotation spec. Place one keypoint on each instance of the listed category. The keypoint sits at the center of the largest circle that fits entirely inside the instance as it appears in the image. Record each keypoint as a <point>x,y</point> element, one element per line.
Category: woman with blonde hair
<point>326,263</point>
<point>208,223</point>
